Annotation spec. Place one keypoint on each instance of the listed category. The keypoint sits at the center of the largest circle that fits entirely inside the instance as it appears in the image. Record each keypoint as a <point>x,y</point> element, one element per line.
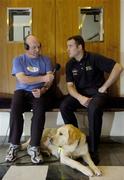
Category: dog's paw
<point>97,172</point>
<point>90,174</point>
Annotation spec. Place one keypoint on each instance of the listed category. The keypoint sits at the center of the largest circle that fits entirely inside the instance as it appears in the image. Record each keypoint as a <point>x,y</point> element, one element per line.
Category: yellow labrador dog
<point>68,143</point>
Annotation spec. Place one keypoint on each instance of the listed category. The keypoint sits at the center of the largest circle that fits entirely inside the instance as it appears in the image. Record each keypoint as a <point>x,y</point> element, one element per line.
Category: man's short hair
<point>79,40</point>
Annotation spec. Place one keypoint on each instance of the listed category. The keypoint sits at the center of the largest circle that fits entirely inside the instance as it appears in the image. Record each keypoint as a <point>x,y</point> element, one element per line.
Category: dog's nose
<point>51,139</point>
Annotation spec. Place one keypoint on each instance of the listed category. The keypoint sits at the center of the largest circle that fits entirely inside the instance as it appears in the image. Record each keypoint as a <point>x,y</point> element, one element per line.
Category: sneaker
<point>12,153</point>
<point>35,154</point>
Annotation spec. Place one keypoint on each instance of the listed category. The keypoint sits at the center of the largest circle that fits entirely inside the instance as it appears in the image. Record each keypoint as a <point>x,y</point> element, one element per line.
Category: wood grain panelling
<point>53,22</point>
<point>64,29</point>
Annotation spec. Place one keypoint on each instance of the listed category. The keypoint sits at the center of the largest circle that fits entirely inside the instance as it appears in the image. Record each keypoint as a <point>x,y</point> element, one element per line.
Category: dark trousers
<point>24,101</point>
<point>95,112</point>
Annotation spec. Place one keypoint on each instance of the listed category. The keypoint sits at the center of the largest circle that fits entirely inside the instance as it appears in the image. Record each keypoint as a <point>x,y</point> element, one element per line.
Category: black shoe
<point>95,158</point>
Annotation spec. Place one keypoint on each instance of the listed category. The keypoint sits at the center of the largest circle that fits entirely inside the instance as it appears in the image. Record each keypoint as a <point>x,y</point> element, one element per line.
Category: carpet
<point>110,173</point>
<point>59,172</point>
<point>26,173</point>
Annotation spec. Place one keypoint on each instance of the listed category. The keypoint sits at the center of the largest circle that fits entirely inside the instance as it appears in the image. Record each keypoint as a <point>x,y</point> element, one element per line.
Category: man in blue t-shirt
<point>87,87</point>
<point>34,78</point>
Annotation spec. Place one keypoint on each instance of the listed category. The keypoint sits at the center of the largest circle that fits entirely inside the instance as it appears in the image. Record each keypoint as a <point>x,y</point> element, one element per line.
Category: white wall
<point>113,123</point>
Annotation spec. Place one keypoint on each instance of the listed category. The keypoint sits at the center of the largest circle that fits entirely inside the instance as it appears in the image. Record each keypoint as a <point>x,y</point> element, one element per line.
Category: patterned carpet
<point>110,173</point>
<point>62,172</point>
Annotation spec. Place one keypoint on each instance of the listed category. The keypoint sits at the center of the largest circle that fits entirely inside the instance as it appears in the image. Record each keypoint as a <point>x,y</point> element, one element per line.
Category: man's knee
<point>95,108</point>
<point>63,106</point>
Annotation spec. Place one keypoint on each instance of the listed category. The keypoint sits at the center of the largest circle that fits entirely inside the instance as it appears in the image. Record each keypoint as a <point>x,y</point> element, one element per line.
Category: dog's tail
<point>25,145</point>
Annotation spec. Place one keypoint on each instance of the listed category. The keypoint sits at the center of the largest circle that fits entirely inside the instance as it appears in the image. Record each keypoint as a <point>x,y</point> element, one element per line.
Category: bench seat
<point>115,104</point>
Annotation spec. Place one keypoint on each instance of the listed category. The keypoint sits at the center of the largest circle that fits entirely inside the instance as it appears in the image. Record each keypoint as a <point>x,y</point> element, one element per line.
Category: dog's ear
<point>74,134</point>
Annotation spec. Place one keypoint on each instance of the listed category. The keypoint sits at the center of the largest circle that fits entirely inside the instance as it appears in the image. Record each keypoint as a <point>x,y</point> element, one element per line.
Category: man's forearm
<point>34,79</point>
<point>113,75</point>
<point>83,100</point>
<point>73,92</point>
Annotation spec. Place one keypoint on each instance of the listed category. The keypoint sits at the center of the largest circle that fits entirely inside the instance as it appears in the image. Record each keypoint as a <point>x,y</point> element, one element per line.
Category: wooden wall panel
<point>43,26</point>
<point>64,29</point>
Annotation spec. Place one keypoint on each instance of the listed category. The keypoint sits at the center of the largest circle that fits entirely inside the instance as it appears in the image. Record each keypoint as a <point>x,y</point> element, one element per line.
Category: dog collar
<point>60,150</point>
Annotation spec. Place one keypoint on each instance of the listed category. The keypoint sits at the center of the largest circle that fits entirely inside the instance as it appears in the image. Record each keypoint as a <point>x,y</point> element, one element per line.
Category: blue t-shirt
<point>30,67</point>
